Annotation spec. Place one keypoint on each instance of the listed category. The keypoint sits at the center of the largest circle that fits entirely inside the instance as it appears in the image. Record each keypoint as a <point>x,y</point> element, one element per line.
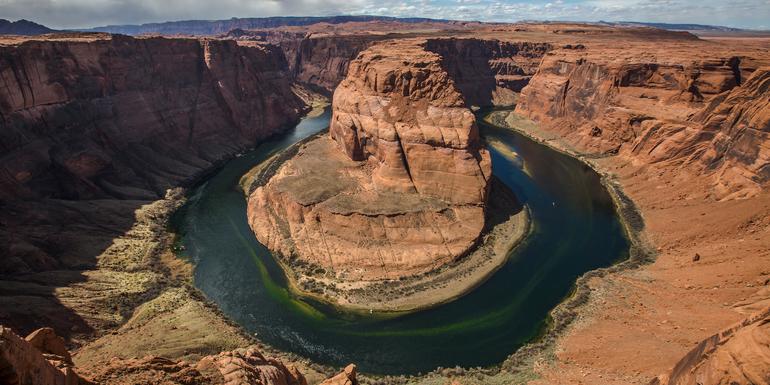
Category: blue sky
<point>85,13</point>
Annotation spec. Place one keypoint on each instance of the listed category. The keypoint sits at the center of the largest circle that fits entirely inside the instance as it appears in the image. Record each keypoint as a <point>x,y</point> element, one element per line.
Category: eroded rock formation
<point>93,128</point>
<point>400,107</point>
<point>707,113</point>
<point>738,355</point>
<point>42,359</point>
<point>486,71</point>
<point>128,118</point>
<point>346,377</point>
<point>407,178</point>
<point>39,359</point>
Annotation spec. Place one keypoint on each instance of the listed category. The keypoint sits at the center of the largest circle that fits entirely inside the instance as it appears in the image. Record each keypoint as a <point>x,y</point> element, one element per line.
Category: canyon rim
<point>399,206</point>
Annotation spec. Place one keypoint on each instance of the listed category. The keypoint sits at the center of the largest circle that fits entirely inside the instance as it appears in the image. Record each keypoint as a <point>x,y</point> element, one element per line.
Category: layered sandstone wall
<point>322,61</point>
<point>735,355</point>
<point>486,71</point>
<point>91,129</point>
<point>127,118</point>
<point>402,187</point>
<point>401,108</point>
<point>661,109</point>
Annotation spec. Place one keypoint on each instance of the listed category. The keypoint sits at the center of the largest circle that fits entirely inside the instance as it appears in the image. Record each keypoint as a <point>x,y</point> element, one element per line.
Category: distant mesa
<point>22,27</point>
<point>217,27</point>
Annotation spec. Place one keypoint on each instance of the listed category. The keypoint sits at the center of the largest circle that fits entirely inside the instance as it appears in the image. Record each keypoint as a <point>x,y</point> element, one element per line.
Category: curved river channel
<point>575,229</point>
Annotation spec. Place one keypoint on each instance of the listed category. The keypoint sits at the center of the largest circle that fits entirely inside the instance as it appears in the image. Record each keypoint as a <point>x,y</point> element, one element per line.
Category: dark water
<point>575,230</point>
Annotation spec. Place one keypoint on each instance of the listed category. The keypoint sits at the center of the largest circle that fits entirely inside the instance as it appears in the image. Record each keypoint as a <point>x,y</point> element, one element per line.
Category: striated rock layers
<point>399,107</point>
<point>738,355</point>
<point>39,359</point>
<point>486,71</point>
<point>322,61</point>
<point>406,182</point>
<point>127,118</point>
<point>122,119</point>
<point>42,359</point>
<point>706,110</point>
<point>93,129</point>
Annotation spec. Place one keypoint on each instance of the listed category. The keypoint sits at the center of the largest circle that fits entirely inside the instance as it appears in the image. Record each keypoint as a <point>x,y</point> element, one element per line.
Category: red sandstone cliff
<point>408,176</point>
<point>399,106</point>
<point>655,107</point>
<point>489,72</point>
<point>127,118</point>
<point>93,129</point>
<point>322,61</point>
<point>737,355</point>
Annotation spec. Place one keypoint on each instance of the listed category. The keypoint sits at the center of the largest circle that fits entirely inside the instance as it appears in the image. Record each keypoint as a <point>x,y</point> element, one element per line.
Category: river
<point>575,229</point>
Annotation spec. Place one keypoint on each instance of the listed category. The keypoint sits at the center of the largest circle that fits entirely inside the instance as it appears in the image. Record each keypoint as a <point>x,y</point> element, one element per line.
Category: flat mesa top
<point>343,186</point>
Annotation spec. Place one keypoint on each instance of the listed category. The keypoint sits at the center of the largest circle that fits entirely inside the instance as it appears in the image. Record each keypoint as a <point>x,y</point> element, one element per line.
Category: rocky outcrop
<point>657,109</point>
<point>406,175</point>
<point>399,109</point>
<point>738,355</point>
<point>41,359</point>
<point>37,360</point>
<point>346,377</point>
<point>335,221</point>
<point>248,366</point>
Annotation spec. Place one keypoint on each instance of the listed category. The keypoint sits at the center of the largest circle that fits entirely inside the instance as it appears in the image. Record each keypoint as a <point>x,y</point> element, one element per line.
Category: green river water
<point>575,229</point>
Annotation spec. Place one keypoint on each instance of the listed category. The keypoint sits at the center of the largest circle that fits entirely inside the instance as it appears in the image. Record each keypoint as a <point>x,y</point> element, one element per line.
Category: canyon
<point>99,131</point>
<point>405,175</point>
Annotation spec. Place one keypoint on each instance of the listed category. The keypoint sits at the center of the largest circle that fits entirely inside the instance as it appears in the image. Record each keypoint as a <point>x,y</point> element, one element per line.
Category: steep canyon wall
<point>93,130</point>
<point>709,113</point>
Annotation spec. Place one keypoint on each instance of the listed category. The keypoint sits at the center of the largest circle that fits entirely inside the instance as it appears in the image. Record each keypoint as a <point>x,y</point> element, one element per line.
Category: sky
<point>90,13</point>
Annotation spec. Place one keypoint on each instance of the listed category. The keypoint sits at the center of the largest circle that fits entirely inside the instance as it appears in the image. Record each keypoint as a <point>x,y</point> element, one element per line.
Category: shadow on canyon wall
<point>92,131</point>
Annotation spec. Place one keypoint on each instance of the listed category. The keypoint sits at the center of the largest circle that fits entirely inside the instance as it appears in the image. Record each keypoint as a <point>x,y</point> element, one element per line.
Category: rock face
<point>318,61</point>
<point>248,366</point>
<point>401,110</point>
<point>737,355</point>
<point>489,72</point>
<point>121,120</point>
<point>658,108</point>
<point>322,61</point>
<point>127,118</point>
<point>93,129</point>
<point>35,360</point>
<point>739,151</point>
<point>346,377</point>
<point>406,176</point>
